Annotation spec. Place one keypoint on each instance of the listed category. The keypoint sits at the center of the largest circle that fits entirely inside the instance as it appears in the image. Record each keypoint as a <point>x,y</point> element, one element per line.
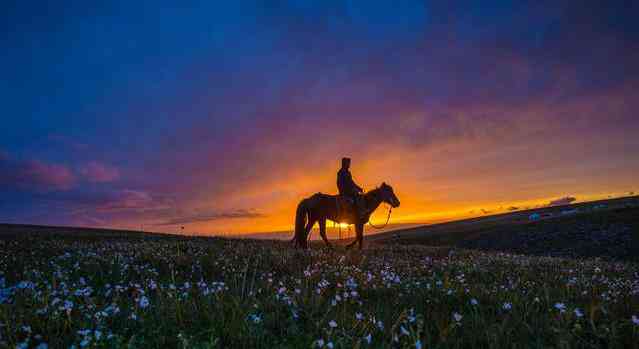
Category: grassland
<point>82,290</point>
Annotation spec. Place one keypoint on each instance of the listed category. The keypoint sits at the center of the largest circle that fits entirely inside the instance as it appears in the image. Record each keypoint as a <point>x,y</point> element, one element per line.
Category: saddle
<point>346,209</point>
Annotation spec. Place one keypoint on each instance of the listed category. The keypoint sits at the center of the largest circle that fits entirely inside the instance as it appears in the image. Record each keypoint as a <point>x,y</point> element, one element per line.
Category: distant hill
<point>607,229</point>
<point>17,230</point>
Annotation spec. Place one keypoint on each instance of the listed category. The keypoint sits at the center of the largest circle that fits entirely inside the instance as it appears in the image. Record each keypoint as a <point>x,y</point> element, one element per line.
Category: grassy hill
<point>607,229</point>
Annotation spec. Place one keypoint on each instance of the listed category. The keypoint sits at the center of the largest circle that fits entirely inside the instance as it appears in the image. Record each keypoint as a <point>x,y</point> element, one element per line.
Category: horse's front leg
<point>359,230</point>
<point>322,230</point>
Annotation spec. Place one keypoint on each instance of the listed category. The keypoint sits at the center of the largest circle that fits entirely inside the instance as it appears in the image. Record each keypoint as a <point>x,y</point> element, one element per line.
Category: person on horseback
<point>348,188</point>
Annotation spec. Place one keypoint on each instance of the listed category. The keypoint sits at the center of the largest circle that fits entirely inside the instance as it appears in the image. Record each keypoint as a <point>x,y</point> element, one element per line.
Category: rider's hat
<point>346,161</point>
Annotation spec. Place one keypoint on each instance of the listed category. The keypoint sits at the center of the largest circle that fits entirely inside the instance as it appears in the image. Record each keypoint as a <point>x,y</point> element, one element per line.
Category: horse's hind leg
<point>322,229</point>
<point>307,231</point>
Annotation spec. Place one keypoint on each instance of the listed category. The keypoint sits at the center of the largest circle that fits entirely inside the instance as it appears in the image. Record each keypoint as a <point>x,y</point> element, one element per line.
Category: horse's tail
<point>301,217</point>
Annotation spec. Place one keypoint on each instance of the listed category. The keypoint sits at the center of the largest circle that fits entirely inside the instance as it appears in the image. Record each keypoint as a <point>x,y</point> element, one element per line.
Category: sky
<point>221,116</point>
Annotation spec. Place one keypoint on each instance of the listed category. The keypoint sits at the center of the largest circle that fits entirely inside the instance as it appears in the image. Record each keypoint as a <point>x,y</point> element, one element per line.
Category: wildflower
<point>560,306</point>
<point>320,343</point>
<point>329,345</point>
<point>380,325</point>
<point>418,344</point>
<point>457,317</point>
<point>368,338</point>
<point>359,316</point>
<point>635,320</point>
<point>473,301</point>
<point>42,346</point>
<point>332,324</point>
<point>578,313</point>
<point>255,318</point>
<point>68,306</point>
<point>507,306</point>
<point>143,302</point>
<point>404,331</point>
<point>26,284</point>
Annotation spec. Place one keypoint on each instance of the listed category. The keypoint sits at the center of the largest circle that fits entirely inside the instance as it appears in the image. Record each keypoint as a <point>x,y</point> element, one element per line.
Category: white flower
<point>368,338</point>
<point>329,345</point>
<point>418,344</point>
<point>359,316</point>
<point>578,313</point>
<point>507,306</point>
<point>404,331</point>
<point>635,320</point>
<point>473,301</point>
<point>320,343</point>
<point>332,324</point>
<point>143,302</point>
<point>255,318</point>
<point>560,306</point>
<point>457,317</point>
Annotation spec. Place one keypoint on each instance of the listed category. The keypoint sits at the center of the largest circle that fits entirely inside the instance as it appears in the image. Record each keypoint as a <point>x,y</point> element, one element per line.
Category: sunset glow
<point>136,118</point>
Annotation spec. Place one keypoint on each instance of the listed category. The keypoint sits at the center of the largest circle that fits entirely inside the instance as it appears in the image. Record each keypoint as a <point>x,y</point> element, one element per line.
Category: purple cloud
<point>35,175</point>
<point>213,216</point>
<point>99,173</point>
<point>563,201</point>
<point>131,200</point>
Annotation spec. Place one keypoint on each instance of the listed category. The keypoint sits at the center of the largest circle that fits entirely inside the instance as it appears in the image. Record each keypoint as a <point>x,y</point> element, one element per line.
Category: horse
<point>320,207</point>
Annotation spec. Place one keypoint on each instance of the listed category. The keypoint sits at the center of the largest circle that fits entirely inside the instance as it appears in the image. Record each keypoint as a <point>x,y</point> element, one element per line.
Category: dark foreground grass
<point>214,293</point>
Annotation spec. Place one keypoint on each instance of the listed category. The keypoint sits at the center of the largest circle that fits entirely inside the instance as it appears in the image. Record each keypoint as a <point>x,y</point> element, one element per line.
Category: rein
<point>390,209</point>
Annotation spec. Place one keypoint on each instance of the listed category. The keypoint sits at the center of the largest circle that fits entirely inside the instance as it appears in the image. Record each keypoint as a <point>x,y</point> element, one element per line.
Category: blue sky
<point>120,114</point>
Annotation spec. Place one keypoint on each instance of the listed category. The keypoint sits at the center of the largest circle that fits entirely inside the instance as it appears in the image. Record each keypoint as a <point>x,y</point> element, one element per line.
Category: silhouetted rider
<point>347,186</point>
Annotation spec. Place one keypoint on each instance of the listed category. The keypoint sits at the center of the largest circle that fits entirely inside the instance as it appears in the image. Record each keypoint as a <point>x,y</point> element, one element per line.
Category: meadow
<point>71,291</point>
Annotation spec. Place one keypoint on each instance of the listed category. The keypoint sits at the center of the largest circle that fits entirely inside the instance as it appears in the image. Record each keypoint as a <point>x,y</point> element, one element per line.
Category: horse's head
<point>388,196</point>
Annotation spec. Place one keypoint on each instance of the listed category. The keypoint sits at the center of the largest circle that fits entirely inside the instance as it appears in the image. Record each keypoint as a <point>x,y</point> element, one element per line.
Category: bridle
<point>390,209</point>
